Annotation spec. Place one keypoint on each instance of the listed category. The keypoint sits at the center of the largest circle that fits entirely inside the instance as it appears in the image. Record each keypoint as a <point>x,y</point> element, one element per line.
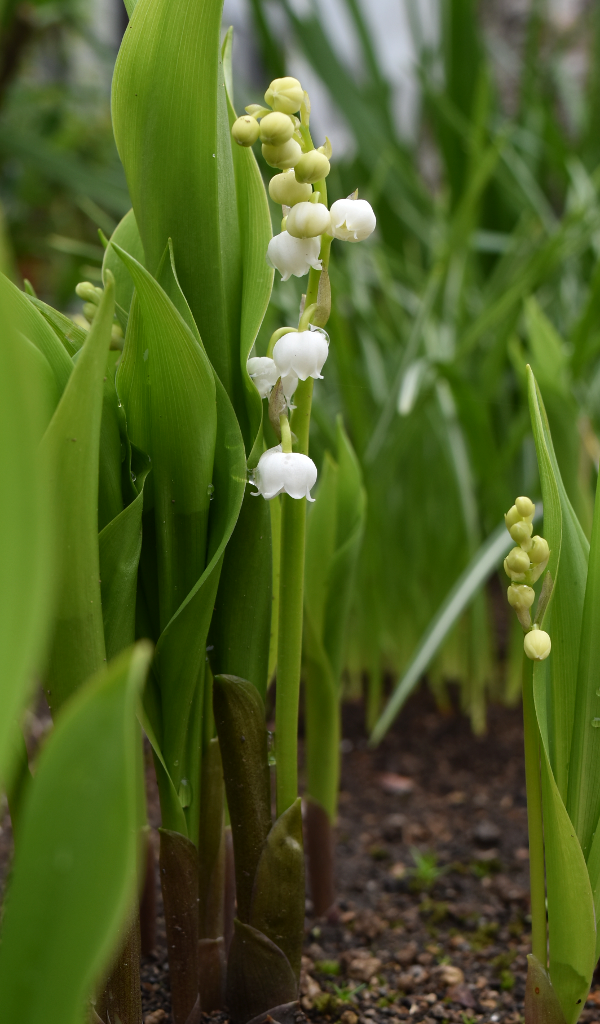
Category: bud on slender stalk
<point>520,596</point>
<point>537,644</point>
<point>285,190</point>
<point>540,552</point>
<point>517,561</point>
<point>88,292</point>
<point>284,156</point>
<point>276,129</point>
<point>312,167</point>
<point>521,534</point>
<point>245,130</point>
<point>285,95</point>
<point>525,507</point>
<point>307,220</point>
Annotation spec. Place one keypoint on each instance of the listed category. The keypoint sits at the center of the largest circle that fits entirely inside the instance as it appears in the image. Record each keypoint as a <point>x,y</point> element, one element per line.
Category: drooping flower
<point>293,255</point>
<point>284,156</point>
<point>280,472</point>
<point>285,190</point>
<point>311,167</point>
<point>285,94</point>
<point>301,353</point>
<point>352,220</point>
<point>263,372</point>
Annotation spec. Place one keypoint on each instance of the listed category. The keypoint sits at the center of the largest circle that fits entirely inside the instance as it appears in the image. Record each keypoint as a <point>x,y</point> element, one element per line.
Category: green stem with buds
<point>539,940</point>
<point>291,579</point>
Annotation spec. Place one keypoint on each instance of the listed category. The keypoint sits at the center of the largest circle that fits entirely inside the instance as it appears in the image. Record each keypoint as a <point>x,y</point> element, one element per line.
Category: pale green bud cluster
<point>280,132</point>
<point>526,562</point>
<point>524,565</point>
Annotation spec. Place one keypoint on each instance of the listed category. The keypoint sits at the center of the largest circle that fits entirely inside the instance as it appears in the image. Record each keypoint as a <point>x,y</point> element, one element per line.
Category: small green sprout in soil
<point>426,871</point>
<point>327,967</point>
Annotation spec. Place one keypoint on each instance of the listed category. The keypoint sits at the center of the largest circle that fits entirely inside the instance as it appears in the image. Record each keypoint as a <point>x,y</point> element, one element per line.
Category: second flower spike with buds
<point>524,565</point>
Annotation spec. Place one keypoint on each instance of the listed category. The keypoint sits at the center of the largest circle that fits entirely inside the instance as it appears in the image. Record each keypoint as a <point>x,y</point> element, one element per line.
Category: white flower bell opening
<point>293,255</point>
<point>264,373</point>
<point>301,353</point>
<point>280,472</point>
<point>352,220</point>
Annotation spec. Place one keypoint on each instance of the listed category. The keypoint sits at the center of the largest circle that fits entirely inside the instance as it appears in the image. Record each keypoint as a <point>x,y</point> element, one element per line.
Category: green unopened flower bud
<point>525,507</point>
<point>520,597</point>
<point>89,311</point>
<point>285,94</point>
<point>245,130</point>
<point>284,156</point>
<point>311,167</point>
<point>537,644</point>
<point>512,517</point>
<point>86,291</point>
<point>517,561</point>
<point>539,552</point>
<point>276,128</point>
<point>284,189</point>
<point>521,533</point>
<point>307,220</point>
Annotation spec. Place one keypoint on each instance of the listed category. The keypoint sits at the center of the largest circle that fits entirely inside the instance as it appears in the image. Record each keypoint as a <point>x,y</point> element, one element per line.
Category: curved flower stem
<point>539,941</point>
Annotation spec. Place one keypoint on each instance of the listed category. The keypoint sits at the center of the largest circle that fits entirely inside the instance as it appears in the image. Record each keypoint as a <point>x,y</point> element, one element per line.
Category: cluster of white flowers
<point>297,355</point>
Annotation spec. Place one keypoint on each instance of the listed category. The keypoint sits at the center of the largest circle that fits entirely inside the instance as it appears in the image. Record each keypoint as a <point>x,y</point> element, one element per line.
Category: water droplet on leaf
<point>596,723</point>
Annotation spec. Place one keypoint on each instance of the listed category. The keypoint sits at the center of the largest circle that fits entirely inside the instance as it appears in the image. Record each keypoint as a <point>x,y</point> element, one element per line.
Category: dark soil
<point>433,920</point>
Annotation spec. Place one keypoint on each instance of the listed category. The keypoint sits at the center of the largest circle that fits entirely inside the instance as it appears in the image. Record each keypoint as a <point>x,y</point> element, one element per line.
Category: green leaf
<point>241,622</point>
<point>257,276</point>
<point>569,550</point>
<point>33,325</point>
<point>168,74</point>
<point>541,1002</point>
<point>584,769</point>
<point>24,535</point>
<point>110,495</point>
<point>177,441</point>
<point>74,877</point>
<point>127,236</point>
<point>240,721</point>
<point>71,451</point>
<point>120,543</point>
<point>68,332</point>
<point>277,907</point>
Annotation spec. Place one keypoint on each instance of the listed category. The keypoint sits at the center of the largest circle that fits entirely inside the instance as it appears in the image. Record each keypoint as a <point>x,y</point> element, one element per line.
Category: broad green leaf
<point>32,324</point>
<point>568,561</point>
<point>110,495</point>
<point>571,913</point>
<point>167,388</point>
<point>257,277</point>
<point>42,381</point>
<point>24,536</point>
<point>550,366</point>
<point>180,174</point>
<point>192,421</point>
<point>71,335</point>
<point>74,876</point>
<point>70,450</point>
<point>584,769</point>
<point>120,543</point>
<point>126,235</point>
<point>241,623</point>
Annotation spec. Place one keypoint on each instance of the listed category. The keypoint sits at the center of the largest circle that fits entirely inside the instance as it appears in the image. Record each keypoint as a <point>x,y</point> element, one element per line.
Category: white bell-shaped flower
<point>352,220</point>
<point>281,472</point>
<point>308,220</point>
<point>293,255</point>
<point>264,373</point>
<point>301,353</point>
